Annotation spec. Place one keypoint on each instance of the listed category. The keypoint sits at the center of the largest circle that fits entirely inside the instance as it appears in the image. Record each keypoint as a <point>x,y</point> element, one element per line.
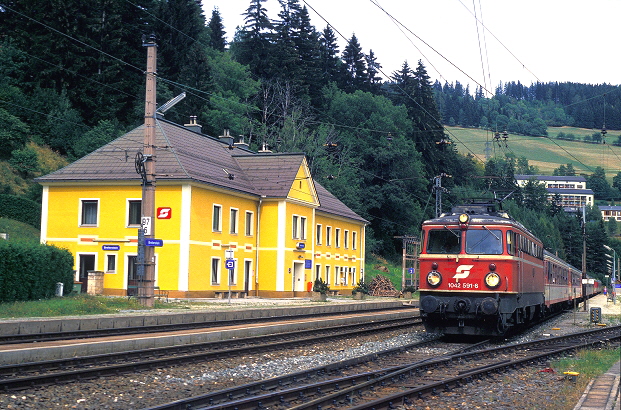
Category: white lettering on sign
<point>164,212</point>
<point>463,271</point>
<point>145,225</point>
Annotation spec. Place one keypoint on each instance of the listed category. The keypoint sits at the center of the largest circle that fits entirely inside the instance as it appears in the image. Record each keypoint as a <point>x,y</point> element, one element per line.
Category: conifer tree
<point>253,43</point>
<point>354,67</point>
<point>217,35</point>
<point>329,56</point>
<point>373,81</point>
<point>308,45</point>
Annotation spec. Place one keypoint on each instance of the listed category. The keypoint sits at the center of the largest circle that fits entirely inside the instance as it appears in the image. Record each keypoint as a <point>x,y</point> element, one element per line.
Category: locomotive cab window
<point>444,241</point>
<point>484,241</point>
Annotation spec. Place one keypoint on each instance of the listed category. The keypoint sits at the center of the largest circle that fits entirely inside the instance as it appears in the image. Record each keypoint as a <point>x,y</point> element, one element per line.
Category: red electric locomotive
<point>482,273</point>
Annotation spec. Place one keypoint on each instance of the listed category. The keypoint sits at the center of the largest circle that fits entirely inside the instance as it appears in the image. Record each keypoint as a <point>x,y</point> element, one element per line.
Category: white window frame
<point>218,273</point>
<point>81,210</point>
<point>328,236</point>
<point>232,277</point>
<point>107,262</point>
<point>354,239</point>
<point>128,212</point>
<point>216,224</point>
<point>327,270</point>
<point>346,239</point>
<point>318,234</point>
<point>234,222</point>
<point>337,238</point>
<point>249,223</point>
<point>302,227</point>
<point>295,226</point>
<point>317,271</point>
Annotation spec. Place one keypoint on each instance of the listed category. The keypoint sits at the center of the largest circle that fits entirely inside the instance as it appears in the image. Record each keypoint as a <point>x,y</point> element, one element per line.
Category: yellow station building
<point>212,195</point>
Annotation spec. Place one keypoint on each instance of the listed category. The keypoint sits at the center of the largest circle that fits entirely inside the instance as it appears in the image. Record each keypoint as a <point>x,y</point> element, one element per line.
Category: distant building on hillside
<point>572,189</point>
<point>610,212</point>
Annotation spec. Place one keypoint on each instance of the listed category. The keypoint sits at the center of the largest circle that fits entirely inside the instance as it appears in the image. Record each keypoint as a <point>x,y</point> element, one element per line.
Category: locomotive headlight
<point>492,280</point>
<point>434,278</point>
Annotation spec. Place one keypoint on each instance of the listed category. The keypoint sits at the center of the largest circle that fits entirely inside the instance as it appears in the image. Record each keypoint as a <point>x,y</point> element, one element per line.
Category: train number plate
<point>463,285</point>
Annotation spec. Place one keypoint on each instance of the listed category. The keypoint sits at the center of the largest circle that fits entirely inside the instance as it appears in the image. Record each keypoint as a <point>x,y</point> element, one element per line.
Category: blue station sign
<point>111,247</point>
<point>153,242</point>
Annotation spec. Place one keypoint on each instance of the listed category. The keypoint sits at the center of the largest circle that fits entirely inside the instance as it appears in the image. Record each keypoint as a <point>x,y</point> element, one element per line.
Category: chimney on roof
<point>226,138</point>
<point>193,125</point>
<point>264,149</point>
<point>241,143</point>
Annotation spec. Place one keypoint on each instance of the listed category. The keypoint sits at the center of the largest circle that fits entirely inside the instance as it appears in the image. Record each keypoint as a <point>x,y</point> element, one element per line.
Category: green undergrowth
<point>589,364</point>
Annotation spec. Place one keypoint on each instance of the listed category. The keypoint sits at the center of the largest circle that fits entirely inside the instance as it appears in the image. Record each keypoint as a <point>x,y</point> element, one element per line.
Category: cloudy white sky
<point>525,40</point>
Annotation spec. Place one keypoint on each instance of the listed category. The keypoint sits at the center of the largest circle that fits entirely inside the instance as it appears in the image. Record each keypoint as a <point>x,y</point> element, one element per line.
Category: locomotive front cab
<point>466,266</point>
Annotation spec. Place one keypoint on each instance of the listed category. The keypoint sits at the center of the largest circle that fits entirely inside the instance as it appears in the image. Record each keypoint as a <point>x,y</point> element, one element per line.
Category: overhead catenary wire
<point>249,106</point>
<point>397,85</point>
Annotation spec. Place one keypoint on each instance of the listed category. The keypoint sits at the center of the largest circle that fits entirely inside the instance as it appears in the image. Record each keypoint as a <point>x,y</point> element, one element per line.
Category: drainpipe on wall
<point>256,268</point>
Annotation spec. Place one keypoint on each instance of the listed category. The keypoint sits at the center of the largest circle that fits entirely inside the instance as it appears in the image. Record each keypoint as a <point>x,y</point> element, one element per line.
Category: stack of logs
<point>382,286</point>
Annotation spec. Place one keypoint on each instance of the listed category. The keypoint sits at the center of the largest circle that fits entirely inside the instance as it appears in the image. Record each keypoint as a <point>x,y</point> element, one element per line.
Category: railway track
<point>121,331</point>
<point>28,375</point>
<point>352,384</point>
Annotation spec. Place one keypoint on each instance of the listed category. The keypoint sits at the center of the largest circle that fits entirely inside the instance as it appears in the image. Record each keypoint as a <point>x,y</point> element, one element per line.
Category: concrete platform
<point>13,354</point>
<point>603,392</point>
<point>159,317</point>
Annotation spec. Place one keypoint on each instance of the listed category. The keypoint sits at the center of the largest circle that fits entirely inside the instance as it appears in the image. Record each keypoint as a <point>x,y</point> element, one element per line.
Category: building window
<point>134,212</point>
<point>327,274</point>
<point>232,275</point>
<point>111,263</point>
<point>328,235</point>
<point>302,227</point>
<point>318,234</point>
<point>217,218</point>
<point>317,272</point>
<point>233,222</point>
<point>354,240</point>
<point>337,237</point>
<point>215,271</point>
<point>132,269</point>
<point>89,212</point>
<point>295,227</point>
<point>249,225</point>
<point>346,239</point>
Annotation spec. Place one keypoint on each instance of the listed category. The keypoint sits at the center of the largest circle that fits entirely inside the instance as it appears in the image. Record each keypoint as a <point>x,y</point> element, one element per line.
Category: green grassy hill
<point>545,153</point>
<point>19,230</point>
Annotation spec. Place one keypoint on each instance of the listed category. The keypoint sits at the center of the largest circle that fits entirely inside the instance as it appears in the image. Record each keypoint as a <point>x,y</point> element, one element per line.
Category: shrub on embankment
<point>20,209</point>
<point>30,271</point>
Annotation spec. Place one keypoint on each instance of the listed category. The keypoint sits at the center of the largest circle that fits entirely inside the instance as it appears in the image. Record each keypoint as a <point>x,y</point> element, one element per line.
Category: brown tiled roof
<point>183,154</point>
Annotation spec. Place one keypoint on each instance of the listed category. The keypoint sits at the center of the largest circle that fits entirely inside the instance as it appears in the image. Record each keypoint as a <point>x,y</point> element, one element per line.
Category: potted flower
<point>360,290</point>
<point>320,290</point>
<point>408,291</point>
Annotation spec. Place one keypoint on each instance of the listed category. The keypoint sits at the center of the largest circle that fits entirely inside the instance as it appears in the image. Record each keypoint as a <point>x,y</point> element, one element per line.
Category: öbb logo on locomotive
<point>483,273</point>
<point>463,271</point>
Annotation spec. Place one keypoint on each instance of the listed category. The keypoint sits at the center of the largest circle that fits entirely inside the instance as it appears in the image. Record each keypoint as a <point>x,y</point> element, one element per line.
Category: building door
<point>247,267</point>
<point>86,263</point>
<point>132,275</point>
<point>298,277</point>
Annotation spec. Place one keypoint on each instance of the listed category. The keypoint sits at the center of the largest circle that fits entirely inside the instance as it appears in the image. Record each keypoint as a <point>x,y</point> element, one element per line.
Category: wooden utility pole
<point>146,289</point>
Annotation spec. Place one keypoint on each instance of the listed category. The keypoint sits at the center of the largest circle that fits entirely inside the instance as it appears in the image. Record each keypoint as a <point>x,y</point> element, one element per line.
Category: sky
<point>513,40</point>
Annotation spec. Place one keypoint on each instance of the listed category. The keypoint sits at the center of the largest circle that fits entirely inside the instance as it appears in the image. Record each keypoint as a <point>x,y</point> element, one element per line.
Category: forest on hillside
<point>72,80</point>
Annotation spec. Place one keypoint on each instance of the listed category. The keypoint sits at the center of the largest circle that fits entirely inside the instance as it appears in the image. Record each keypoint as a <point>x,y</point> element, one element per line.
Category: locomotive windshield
<point>444,241</point>
<point>484,241</point>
